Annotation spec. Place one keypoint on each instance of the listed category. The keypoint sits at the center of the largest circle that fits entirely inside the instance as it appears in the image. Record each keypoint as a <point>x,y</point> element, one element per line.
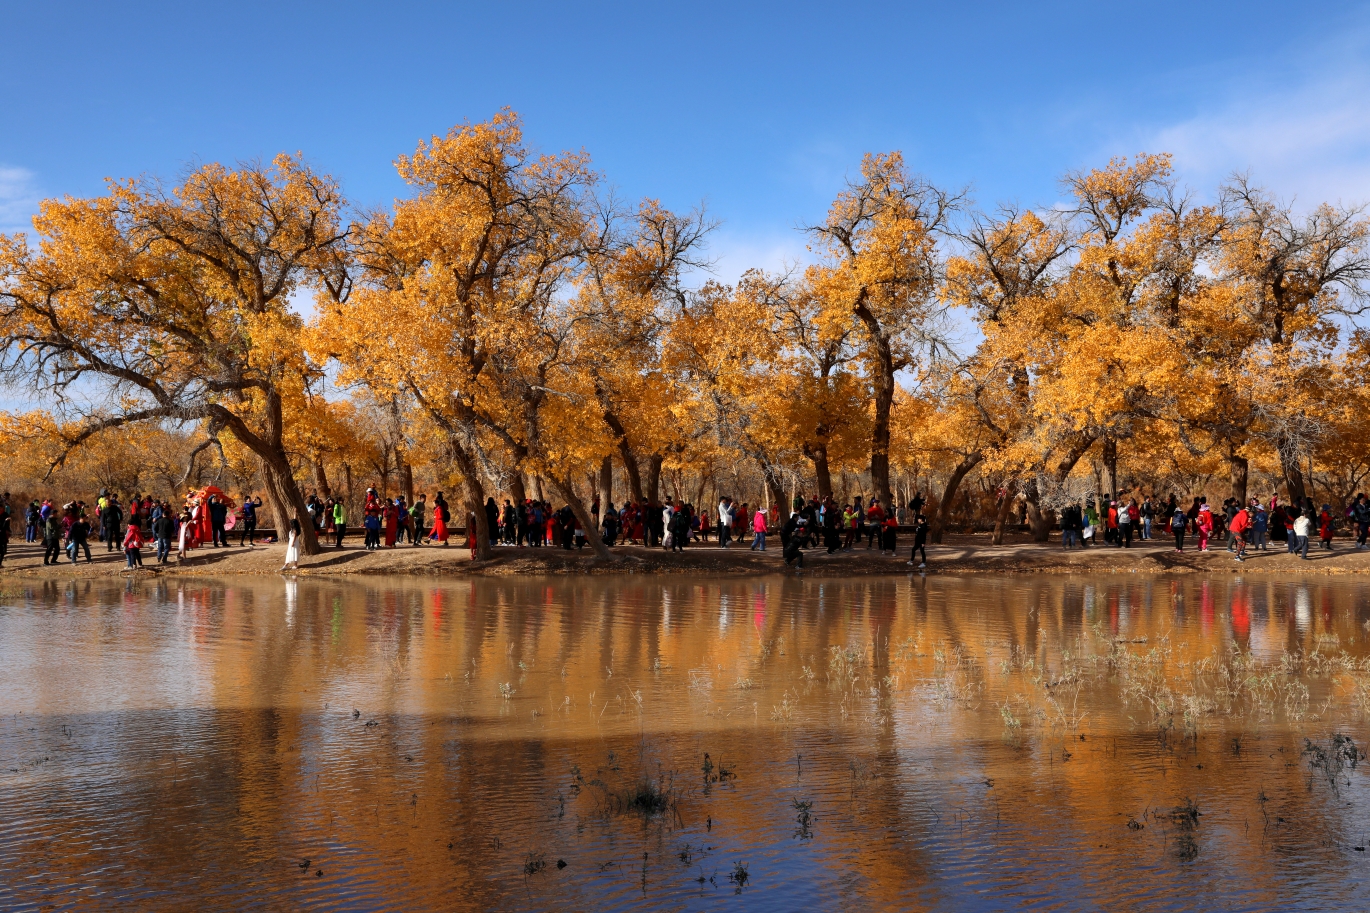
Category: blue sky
<point>758,110</point>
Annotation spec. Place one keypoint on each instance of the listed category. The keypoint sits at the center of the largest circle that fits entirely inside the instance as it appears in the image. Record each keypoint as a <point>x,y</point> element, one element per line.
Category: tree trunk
<point>592,536</point>
<point>278,478</point>
<point>475,495</point>
<point>654,478</point>
<point>882,380</point>
<point>517,492</point>
<point>321,478</point>
<point>1042,522</point>
<point>939,520</point>
<point>1111,467</point>
<point>537,488</point>
<point>1002,514</point>
<point>606,484</point>
<point>880,428</point>
<point>406,480</point>
<point>1237,471</point>
<point>277,513</point>
<point>347,480</point>
<point>777,492</point>
<point>286,503</point>
<point>1293,477</point>
<point>818,455</point>
<point>625,450</point>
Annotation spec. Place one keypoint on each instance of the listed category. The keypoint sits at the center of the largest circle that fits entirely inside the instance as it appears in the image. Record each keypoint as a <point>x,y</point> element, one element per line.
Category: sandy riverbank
<point>960,554</point>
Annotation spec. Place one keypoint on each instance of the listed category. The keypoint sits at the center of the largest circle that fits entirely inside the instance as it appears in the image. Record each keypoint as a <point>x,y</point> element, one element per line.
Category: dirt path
<point>960,554</point>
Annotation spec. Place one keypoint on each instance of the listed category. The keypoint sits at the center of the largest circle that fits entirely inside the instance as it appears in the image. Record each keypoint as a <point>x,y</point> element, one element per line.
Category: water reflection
<point>950,743</point>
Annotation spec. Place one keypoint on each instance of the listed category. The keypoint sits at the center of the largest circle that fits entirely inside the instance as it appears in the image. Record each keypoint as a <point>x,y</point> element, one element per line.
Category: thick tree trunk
<point>537,488</point>
<point>818,455</point>
<point>631,472</point>
<point>406,480</point>
<point>880,428</point>
<point>625,450</point>
<point>1110,457</point>
<point>285,502</point>
<point>606,484</point>
<point>654,477</point>
<point>775,489</point>
<point>347,493</point>
<point>1042,522</point>
<point>278,478</point>
<point>882,378</point>
<point>517,492</point>
<point>1293,477</point>
<point>592,536</point>
<point>1237,471</point>
<point>321,479</point>
<point>475,495</point>
<point>277,512</point>
<point>939,520</point>
<point>1006,503</point>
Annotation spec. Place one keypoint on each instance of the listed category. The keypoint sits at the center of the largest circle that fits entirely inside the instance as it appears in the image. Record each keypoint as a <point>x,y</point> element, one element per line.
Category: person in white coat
<point>725,522</point>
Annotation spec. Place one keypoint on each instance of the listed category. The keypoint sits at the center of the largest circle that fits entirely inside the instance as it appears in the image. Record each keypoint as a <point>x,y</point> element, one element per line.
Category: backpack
<point>1178,521</point>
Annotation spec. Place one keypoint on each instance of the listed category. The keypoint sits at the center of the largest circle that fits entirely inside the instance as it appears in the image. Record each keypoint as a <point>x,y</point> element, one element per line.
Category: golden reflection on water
<point>898,743</point>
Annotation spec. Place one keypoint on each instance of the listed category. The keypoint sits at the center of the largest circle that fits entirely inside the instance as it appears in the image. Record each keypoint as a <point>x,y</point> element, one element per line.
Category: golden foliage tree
<point>175,304</point>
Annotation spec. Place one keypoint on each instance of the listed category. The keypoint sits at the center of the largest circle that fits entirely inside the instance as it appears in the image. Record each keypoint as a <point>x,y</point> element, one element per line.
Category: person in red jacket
<point>1241,522</point>
<point>1204,524</point>
<point>1325,527</point>
<point>133,544</point>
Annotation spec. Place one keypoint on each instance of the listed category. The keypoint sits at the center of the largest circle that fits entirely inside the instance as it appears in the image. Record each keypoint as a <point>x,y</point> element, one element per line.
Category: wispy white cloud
<point>1308,142</point>
<point>18,198</point>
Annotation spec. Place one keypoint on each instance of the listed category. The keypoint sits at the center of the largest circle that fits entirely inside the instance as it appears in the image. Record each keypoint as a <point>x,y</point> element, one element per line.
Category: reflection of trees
<point>248,750</point>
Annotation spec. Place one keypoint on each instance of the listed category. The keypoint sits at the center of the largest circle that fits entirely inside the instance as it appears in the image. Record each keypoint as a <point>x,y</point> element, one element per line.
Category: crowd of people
<point>675,524</point>
<point>68,529</point>
<point>207,517</point>
<point>1250,526</point>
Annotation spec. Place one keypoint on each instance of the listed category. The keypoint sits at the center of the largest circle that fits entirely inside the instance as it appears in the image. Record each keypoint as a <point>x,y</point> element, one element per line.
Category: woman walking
<point>440,517</point>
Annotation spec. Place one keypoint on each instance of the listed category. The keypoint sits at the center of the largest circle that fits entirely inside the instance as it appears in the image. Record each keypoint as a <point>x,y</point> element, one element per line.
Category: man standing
<point>1237,527</point>
<point>416,514</point>
<point>111,521</point>
<point>163,528</point>
<point>725,521</point>
<point>218,516</point>
<point>1360,512</point>
<point>339,523</point>
<point>249,533</point>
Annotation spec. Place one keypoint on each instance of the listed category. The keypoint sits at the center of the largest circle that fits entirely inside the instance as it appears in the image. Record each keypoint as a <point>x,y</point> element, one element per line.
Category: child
<point>133,545</point>
<point>373,530</point>
<point>920,541</point>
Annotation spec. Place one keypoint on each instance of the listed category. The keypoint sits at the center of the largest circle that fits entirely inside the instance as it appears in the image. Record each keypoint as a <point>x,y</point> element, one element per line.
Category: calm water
<point>901,743</point>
